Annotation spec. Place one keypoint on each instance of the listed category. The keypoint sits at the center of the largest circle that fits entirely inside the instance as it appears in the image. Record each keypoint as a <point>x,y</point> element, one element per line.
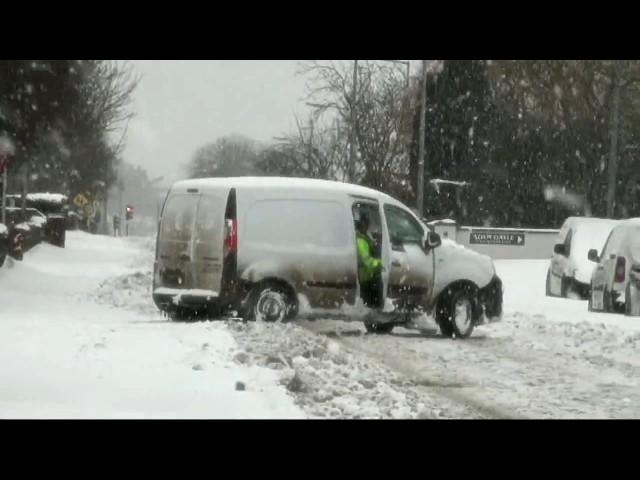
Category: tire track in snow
<point>452,388</point>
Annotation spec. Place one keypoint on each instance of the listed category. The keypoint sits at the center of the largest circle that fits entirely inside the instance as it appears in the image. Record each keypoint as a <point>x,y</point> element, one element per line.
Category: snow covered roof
<point>37,220</point>
<point>47,197</point>
<point>445,221</point>
<point>591,221</point>
<point>281,182</point>
<point>459,183</point>
<point>23,226</point>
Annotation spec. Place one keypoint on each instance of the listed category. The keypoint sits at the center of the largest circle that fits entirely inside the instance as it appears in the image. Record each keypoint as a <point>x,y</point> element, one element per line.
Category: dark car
<point>4,243</point>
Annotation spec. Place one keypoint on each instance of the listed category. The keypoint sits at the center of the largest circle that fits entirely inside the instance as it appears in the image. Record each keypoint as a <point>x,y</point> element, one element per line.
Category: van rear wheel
<point>270,302</point>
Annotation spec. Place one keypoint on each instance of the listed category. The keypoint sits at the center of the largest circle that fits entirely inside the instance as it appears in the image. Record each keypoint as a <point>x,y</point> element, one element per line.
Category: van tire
<point>379,328</point>
<point>270,302</point>
<point>460,299</point>
<point>565,285</point>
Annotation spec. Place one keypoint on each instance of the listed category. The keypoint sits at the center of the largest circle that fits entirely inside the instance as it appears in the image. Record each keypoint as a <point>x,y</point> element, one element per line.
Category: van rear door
<point>175,242</point>
<point>190,244</point>
<point>208,243</point>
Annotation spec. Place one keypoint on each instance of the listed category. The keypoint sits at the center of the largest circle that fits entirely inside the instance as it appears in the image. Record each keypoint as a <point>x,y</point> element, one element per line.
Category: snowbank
<point>80,338</point>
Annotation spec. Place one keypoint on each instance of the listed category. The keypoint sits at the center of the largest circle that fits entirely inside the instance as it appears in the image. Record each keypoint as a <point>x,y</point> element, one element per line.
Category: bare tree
<point>233,155</point>
<point>376,112</point>
<point>314,150</point>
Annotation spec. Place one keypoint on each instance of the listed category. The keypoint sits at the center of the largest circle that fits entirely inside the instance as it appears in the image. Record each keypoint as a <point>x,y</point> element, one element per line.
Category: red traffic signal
<point>129,212</point>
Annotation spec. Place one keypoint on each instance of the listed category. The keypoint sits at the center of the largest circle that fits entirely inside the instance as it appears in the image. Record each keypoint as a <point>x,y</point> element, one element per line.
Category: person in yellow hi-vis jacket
<point>369,267</point>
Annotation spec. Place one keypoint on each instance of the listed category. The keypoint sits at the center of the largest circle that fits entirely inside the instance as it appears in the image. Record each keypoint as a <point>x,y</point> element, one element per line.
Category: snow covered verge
<point>80,338</point>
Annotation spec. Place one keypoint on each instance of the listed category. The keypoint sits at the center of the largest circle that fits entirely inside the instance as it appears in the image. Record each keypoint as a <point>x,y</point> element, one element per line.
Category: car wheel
<point>269,303</point>
<point>457,311</point>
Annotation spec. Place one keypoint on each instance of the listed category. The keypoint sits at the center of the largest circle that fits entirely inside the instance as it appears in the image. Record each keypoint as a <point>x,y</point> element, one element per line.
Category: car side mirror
<point>593,255</point>
<point>560,249</point>
<point>433,240</point>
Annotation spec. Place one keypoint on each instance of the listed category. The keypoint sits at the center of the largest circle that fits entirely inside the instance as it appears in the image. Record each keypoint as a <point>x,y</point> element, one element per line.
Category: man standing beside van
<point>369,267</point>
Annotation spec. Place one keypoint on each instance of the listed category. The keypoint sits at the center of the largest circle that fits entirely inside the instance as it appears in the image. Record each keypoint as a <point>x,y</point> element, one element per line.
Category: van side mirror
<point>433,240</point>
<point>593,255</point>
<point>560,249</point>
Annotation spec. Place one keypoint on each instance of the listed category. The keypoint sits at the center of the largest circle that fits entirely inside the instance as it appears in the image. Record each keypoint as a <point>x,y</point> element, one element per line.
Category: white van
<point>569,273</point>
<point>271,248</point>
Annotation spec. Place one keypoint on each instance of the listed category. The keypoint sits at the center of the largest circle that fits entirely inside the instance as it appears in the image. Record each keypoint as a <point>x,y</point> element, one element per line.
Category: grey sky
<point>183,104</point>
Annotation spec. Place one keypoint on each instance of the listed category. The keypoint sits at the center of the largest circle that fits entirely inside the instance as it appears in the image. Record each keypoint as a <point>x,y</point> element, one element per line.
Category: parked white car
<point>569,273</point>
<point>616,265</point>
<point>266,247</point>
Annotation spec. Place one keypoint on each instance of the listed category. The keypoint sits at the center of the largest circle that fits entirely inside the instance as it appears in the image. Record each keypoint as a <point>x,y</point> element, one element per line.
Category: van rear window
<point>178,218</point>
<point>297,224</point>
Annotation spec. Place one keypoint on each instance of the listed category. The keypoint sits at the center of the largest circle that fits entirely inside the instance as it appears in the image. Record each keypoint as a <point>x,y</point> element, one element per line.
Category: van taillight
<point>231,236</point>
<point>620,269</point>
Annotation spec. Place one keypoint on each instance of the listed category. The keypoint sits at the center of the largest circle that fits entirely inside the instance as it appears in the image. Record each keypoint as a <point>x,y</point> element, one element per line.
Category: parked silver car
<point>569,273</point>
<point>618,262</point>
<point>272,248</point>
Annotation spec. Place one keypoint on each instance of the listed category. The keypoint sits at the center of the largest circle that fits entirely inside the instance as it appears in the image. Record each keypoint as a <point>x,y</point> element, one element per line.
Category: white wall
<point>535,243</point>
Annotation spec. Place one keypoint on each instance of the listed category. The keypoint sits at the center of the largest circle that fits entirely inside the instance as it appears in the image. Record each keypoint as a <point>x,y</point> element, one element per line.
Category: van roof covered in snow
<point>280,182</point>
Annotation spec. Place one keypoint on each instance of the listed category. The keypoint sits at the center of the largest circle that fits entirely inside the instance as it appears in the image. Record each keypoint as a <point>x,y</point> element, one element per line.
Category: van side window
<point>403,228</point>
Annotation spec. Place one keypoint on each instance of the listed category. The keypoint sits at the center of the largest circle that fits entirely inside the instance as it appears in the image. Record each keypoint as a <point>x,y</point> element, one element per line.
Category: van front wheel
<point>456,312</point>
<point>269,303</point>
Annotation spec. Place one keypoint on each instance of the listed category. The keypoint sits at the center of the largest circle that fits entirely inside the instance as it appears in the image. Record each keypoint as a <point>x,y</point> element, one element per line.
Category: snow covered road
<point>80,337</point>
<point>548,358</point>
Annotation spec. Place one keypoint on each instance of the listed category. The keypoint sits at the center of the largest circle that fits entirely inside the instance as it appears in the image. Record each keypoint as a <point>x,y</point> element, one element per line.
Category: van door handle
<point>185,257</point>
<point>396,263</point>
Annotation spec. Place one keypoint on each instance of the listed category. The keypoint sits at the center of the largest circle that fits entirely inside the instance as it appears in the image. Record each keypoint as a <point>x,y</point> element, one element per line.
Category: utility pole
<point>25,187</point>
<point>352,142</point>
<point>4,195</point>
<point>421,146</point>
<point>614,133</point>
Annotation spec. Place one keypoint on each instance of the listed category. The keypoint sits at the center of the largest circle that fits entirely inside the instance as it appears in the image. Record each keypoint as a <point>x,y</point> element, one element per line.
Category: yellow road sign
<point>80,200</point>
